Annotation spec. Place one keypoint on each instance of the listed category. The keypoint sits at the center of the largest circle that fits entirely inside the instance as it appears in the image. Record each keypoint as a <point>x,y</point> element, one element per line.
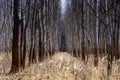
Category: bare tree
<point>15,48</point>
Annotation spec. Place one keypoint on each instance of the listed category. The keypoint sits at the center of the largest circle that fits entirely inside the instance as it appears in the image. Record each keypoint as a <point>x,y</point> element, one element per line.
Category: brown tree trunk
<point>33,29</point>
<point>34,55</point>
<point>24,45</point>
<point>24,49</point>
<point>74,52</point>
<point>83,34</point>
<point>41,53</point>
<point>21,41</point>
<point>31,48</point>
<point>15,47</point>
<point>96,34</point>
<point>40,47</point>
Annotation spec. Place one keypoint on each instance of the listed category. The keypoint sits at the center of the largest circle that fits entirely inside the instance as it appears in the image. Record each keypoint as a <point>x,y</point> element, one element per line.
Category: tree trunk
<point>96,34</point>
<point>15,47</point>
<point>83,33</point>
<point>24,49</point>
<point>24,45</point>
<point>21,40</point>
<point>41,18</point>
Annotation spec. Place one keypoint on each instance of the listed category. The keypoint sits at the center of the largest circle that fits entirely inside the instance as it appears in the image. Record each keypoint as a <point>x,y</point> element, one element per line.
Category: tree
<point>15,48</point>
<point>96,33</point>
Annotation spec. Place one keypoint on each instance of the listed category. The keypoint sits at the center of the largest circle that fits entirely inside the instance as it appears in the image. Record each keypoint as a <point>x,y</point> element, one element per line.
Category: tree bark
<point>15,47</point>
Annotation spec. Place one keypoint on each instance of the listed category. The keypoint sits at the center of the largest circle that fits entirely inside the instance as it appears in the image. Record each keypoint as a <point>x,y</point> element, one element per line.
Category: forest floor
<point>62,66</point>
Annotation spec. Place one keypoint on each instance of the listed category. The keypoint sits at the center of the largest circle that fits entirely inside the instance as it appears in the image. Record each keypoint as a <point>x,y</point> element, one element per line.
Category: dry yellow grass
<point>63,66</point>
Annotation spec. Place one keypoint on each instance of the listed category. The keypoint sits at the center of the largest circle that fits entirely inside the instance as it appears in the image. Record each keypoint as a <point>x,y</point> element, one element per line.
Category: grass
<point>62,66</point>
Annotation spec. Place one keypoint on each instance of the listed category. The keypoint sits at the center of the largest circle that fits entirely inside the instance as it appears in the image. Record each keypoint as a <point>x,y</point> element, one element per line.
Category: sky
<point>63,5</point>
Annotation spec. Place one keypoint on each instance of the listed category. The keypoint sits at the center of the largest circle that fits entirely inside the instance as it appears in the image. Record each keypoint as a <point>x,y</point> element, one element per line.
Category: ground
<point>62,66</point>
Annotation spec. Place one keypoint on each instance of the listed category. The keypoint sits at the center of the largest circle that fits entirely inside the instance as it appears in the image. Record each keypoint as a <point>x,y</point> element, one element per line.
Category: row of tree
<point>35,29</point>
<point>30,30</point>
<point>93,27</point>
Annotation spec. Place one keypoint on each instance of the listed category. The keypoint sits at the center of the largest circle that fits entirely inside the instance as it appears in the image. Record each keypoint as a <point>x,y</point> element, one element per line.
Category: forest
<point>60,37</point>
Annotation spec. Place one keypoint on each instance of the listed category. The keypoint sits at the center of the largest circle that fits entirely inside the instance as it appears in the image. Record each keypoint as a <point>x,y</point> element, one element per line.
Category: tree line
<point>30,30</point>
<point>35,29</point>
<point>93,27</point>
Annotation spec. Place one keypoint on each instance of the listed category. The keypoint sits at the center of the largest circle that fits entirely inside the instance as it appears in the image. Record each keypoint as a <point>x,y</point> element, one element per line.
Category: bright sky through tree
<point>63,5</point>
